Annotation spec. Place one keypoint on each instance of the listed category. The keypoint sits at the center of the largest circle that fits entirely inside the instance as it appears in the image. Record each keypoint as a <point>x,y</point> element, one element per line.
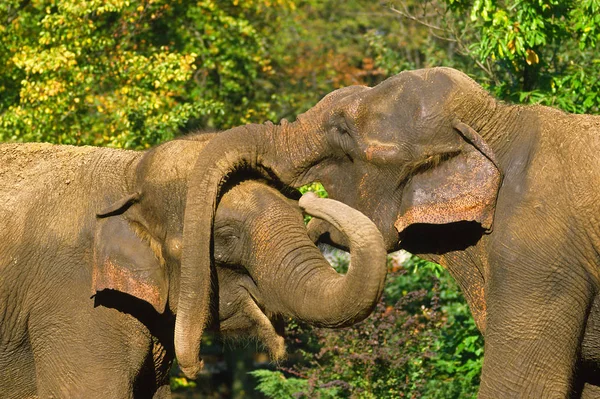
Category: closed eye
<point>340,124</point>
<point>226,237</point>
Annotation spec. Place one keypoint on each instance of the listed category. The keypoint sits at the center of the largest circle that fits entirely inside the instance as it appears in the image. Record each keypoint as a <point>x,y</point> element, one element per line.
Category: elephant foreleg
<point>535,324</point>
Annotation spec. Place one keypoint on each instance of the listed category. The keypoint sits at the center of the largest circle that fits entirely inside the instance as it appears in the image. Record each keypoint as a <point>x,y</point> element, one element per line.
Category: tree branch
<point>451,36</point>
<point>413,18</point>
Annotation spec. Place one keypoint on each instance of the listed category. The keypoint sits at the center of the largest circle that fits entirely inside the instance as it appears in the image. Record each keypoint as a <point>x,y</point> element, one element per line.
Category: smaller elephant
<point>91,243</point>
<point>248,246</point>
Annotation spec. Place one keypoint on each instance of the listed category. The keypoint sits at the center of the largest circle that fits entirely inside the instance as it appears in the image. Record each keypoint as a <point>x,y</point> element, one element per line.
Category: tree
<point>130,74</point>
<point>539,51</point>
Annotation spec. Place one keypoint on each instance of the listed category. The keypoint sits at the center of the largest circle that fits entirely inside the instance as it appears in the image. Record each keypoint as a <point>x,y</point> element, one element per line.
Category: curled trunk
<point>323,297</point>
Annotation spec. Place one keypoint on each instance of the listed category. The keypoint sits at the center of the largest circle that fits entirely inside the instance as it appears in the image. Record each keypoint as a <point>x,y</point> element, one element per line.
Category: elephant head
<point>266,262</point>
<point>405,152</point>
<point>269,267</point>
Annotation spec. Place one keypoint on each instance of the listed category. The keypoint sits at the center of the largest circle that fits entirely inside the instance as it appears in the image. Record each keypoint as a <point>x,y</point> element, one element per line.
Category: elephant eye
<point>344,126</point>
<point>226,234</point>
<point>433,161</point>
<point>339,124</point>
<point>339,130</point>
<point>341,136</point>
<point>226,244</point>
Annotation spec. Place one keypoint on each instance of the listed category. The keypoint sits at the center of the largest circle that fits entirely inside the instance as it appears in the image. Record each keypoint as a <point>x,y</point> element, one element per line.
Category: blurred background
<point>131,74</point>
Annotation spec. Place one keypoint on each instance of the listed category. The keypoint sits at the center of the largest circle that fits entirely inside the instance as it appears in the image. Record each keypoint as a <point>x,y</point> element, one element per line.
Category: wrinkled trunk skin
<point>323,297</point>
<point>291,274</point>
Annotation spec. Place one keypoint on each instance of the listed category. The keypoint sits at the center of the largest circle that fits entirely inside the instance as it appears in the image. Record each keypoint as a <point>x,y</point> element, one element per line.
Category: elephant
<point>501,195</point>
<point>91,283</point>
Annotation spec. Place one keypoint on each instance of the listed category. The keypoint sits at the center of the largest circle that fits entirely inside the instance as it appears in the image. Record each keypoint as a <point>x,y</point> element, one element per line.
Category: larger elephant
<point>504,196</point>
<point>90,276</point>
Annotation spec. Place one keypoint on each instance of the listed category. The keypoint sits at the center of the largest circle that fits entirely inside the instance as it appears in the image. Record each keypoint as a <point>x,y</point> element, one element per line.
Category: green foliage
<point>179,383</point>
<point>133,74</point>
<point>130,74</point>
<point>275,385</point>
<point>316,188</point>
<point>541,51</point>
<point>548,47</point>
<point>83,78</point>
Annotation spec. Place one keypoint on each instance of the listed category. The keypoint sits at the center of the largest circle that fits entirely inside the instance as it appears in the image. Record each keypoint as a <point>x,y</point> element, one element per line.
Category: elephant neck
<point>509,130</point>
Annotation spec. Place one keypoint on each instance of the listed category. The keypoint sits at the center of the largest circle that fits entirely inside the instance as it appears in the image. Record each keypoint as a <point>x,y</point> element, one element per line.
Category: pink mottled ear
<point>127,260</point>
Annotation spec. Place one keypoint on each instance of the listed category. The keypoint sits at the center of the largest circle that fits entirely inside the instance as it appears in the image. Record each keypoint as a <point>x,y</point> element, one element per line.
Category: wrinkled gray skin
<point>503,196</point>
<point>90,276</point>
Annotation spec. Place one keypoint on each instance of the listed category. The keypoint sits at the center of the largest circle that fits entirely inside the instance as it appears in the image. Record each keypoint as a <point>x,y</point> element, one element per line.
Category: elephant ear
<point>462,188</point>
<point>128,260</point>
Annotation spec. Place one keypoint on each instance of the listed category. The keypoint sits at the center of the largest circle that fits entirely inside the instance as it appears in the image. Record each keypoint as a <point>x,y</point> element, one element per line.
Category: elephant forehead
<point>258,203</point>
<point>404,109</point>
<point>430,85</point>
<point>353,106</point>
<point>340,95</point>
<point>443,76</point>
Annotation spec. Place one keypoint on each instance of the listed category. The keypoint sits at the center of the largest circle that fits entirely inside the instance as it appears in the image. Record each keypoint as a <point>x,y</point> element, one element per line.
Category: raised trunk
<point>322,296</point>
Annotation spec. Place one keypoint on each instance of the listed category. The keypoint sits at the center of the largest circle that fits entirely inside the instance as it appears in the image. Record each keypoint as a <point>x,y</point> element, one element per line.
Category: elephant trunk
<point>263,149</point>
<point>316,293</point>
<point>218,160</point>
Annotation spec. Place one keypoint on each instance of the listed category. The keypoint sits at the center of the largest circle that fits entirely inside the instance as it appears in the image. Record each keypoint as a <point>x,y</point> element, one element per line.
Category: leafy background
<point>131,74</point>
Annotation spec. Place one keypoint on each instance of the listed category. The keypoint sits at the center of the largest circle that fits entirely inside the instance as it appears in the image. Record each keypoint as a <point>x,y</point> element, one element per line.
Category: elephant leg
<point>57,381</point>
<point>67,374</point>
<point>91,357</point>
<point>535,324</point>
